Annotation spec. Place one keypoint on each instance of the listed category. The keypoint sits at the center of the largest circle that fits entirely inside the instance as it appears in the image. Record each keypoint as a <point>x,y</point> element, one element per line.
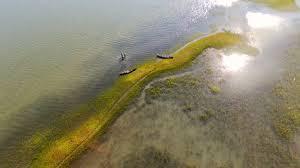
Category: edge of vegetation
<point>286,5</point>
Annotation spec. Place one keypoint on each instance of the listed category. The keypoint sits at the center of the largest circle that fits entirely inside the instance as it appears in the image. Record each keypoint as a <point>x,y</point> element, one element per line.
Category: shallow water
<point>55,55</point>
<point>217,113</point>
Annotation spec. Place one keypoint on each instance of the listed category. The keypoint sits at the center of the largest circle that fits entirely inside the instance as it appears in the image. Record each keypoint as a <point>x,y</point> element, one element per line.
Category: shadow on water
<point>47,112</point>
<point>51,112</point>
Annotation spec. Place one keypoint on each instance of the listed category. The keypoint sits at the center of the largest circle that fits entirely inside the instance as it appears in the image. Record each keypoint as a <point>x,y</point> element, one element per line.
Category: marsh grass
<point>287,124</point>
<point>287,114</point>
<point>59,150</point>
<point>154,92</point>
<point>286,120</point>
<point>206,115</point>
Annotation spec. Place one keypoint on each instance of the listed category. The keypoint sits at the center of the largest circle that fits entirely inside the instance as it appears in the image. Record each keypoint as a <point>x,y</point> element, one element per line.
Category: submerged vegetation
<point>206,115</point>
<point>164,87</point>
<point>287,124</point>
<point>180,89</point>
<point>154,157</point>
<point>287,112</point>
<point>215,89</point>
<point>153,92</point>
<point>58,151</point>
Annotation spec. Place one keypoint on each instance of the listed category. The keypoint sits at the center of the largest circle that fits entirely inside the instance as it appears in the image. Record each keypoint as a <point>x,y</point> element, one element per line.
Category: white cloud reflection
<point>297,3</point>
<point>235,61</point>
<point>259,20</point>
<point>226,3</point>
<point>200,8</point>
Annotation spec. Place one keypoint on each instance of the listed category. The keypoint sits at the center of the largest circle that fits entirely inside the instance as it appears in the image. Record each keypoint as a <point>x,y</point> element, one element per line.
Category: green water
<point>55,55</point>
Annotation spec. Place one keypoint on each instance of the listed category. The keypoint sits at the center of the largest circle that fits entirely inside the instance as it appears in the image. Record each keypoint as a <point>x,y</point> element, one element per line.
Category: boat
<point>127,72</point>
<point>164,56</point>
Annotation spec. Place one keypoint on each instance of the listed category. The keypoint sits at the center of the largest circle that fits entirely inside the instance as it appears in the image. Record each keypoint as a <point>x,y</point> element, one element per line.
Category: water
<point>181,121</point>
<point>55,55</point>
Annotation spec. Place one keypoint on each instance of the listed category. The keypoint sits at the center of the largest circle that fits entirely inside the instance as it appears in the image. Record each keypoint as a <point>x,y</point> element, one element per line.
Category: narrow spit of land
<point>108,106</point>
<point>280,4</point>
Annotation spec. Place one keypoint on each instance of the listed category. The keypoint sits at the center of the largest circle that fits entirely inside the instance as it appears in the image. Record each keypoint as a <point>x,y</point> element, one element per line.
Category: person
<point>123,56</point>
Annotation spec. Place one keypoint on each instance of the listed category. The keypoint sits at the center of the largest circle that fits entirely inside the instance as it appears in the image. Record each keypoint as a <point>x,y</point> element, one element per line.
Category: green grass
<point>59,151</point>
<point>279,4</point>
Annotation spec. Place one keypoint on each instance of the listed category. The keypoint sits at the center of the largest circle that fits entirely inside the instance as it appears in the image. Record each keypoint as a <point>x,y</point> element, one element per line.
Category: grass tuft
<point>206,115</point>
<point>215,89</point>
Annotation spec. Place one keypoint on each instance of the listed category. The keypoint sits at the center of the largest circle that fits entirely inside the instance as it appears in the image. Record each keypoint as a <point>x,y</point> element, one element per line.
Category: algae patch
<point>287,124</point>
<point>286,113</point>
<point>214,89</point>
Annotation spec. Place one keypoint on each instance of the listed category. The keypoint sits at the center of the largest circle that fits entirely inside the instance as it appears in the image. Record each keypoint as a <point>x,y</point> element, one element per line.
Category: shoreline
<point>286,5</point>
<point>114,100</point>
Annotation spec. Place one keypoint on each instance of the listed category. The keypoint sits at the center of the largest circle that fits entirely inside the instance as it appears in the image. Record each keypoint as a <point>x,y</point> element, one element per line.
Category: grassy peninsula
<point>279,4</point>
<point>108,106</point>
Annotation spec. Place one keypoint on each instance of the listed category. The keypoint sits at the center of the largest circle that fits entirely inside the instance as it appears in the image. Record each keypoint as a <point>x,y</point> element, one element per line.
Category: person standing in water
<point>123,56</point>
<point>122,61</point>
